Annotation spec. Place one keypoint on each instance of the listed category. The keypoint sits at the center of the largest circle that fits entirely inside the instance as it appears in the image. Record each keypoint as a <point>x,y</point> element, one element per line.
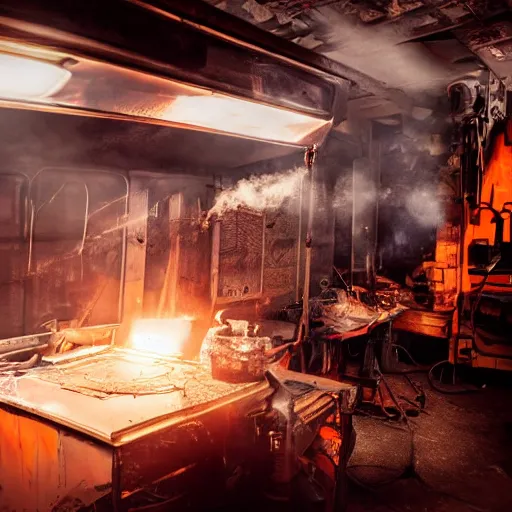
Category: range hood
<point>134,61</point>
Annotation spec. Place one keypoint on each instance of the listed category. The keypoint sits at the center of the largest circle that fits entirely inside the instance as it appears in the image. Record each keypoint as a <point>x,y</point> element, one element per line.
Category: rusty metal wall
<point>13,253</point>
<point>61,236</point>
<point>281,246</point>
<point>77,246</point>
<point>43,468</point>
<point>177,266</point>
<point>241,255</point>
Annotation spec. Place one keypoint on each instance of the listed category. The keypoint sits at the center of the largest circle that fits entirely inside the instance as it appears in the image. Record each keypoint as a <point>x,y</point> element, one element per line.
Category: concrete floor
<point>462,454</point>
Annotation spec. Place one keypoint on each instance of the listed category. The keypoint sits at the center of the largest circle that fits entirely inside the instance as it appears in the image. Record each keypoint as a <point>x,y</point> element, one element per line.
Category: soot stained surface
<point>463,455</point>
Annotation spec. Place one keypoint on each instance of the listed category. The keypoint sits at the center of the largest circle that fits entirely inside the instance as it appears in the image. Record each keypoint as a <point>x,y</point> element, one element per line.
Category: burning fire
<point>164,336</point>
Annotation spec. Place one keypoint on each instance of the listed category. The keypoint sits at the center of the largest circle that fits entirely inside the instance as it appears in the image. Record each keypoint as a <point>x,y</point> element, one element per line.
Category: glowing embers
<point>231,115</point>
<point>28,79</point>
<point>164,336</point>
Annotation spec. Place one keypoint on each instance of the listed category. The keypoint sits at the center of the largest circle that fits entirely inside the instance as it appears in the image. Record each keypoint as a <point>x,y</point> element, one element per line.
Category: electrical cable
<point>340,275</point>
<point>419,368</point>
<point>444,390</point>
<point>407,353</point>
<point>475,305</point>
<point>349,351</point>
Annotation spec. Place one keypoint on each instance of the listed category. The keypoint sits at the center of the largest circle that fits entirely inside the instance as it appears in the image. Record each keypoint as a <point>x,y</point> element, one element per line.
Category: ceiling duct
<point>131,60</point>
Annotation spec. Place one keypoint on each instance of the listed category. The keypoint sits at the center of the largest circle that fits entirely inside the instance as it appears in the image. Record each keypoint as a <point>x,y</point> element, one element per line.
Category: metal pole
<point>299,241</point>
<point>341,486</point>
<point>309,159</point>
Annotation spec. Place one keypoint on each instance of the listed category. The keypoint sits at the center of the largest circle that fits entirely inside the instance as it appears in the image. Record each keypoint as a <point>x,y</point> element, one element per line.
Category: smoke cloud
<point>424,206</point>
<point>422,202</point>
<point>268,191</point>
<point>356,186</point>
<point>381,51</point>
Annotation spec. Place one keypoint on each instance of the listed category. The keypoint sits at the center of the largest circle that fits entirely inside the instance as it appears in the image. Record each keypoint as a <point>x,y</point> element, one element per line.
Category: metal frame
<point>29,224</point>
<point>215,269</point>
<point>123,248</point>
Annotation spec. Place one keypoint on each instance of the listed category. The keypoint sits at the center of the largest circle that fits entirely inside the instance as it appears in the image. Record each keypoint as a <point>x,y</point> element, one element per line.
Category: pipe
<point>172,270</point>
<point>299,240</point>
<point>498,219</point>
<point>506,210</point>
<point>309,159</point>
<point>30,342</point>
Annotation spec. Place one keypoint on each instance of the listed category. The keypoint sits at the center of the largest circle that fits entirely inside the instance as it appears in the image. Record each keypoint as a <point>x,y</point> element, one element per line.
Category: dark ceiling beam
<point>413,30</point>
<point>205,17</point>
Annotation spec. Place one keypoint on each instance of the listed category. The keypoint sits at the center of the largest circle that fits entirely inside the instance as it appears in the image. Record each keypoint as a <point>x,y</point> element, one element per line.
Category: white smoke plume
<point>365,193</point>
<point>424,205</point>
<point>382,52</point>
<point>268,191</point>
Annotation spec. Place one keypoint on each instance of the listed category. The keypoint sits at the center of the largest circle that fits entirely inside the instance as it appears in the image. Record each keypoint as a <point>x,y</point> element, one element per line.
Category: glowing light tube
<point>228,114</point>
<point>28,79</point>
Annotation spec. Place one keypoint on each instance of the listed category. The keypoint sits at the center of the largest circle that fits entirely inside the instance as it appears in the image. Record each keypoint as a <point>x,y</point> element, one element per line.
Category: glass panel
<point>76,247</point>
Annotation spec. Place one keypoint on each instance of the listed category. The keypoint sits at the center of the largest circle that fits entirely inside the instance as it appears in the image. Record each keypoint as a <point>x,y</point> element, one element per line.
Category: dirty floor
<point>462,456</point>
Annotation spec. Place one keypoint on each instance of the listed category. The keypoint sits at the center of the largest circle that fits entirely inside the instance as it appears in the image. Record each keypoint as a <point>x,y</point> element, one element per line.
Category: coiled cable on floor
<point>447,391</point>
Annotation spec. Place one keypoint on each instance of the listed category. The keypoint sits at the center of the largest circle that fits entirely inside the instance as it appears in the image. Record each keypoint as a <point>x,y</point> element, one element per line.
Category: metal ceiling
<point>416,46</point>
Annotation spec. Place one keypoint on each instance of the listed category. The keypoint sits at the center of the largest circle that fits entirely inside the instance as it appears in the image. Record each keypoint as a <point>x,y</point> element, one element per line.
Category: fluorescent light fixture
<point>28,79</point>
<point>101,87</point>
<point>246,118</point>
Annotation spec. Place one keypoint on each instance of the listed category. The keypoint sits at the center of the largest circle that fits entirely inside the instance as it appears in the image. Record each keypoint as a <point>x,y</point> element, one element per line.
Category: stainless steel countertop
<point>62,393</point>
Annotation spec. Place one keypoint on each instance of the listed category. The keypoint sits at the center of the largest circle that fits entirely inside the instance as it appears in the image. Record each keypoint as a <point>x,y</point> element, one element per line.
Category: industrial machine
<point>119,121</point>
<point>470,277</point>
<point>482,320</point>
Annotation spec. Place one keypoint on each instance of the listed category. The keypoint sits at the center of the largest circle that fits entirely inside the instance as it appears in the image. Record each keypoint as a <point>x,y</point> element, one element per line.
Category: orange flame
<point>164,336</point>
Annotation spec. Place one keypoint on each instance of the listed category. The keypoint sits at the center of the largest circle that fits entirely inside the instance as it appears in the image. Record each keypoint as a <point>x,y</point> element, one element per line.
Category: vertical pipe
<point>215,265</point>
<point>353,225</point>
<point>176,218</point>
<point>461,266</point>
<point>135,258</point>
<point>167,302</point>
<point>309,158</point>
<point>341,485</point>
<point>263,253</point>
<point>374,154</point>
<point>299,241</point>
<point>124,243</point>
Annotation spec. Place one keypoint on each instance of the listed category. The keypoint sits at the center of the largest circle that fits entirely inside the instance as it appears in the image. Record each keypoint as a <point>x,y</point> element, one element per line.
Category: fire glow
<point>164,336</point>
